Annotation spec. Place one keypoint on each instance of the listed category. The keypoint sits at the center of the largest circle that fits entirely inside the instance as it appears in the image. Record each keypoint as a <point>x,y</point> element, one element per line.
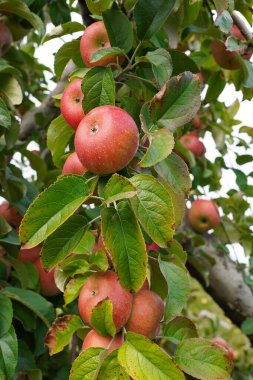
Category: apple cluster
<point>107,137</point>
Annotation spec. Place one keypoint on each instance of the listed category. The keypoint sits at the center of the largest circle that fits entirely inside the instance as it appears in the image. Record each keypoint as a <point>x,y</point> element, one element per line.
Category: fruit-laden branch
<point>226,283</point>
<point>242,26</point>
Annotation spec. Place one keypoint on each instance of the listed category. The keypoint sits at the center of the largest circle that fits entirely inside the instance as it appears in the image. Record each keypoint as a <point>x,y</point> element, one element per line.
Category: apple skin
<point>220,342</point>
<point>197,123</point>
<point>224,58</point>
<point>71,103</point>
<point>106,140</point>
<point>145,286</point>
<point>73,165</point>
<point>48,286</point>
<point>235,32</point>
<point>93,339</point>
<point>11,214</point>
<point>5,39</point>
<point>147,312</point>
<point>203,215</point>
<point>152,247</point>
<point>101,286</point>
<point>31,254</point>
<point>191,142</point>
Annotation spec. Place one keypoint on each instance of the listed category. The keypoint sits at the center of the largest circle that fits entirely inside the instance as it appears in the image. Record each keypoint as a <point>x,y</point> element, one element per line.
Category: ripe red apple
<point>93,339</point>
<point>106,140</point>
<point>147,312</point>
<point>71,103</point>
<point>145,286</point>
<point>94,38</point>
<point>48,286</point>
<point>197,123</point>
<point>152,247</point>
<point>11,214</point>
<point>5,39</point>
<point>235,32</point>
<point>101,286</point>
<point>73,165</point>
<point>31,254</point>
<point>220,342</point>
<point>203,215</point>
<point>224,58</point>
<point>191,142</point>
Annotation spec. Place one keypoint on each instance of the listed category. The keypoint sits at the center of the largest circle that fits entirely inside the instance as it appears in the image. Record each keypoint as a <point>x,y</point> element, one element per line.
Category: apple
<point>73,165</point>
<point>191,142</point>
<point>145,285</point>
<point>93,339</point>
<point>147,312</point>
<point>95,38</point>
<point>235,32</point>
<point>71,103</point>
<point>48,286</point>
<point>101,286</point>
<point>197,123</point>
<point>11,214</point>
<point>152,247</point>
<point>220,342</point>
<point>5,39</point>
<point>106,140</point>
<point>203,215</point>
<point>224,58</point>
<point>31,254</point>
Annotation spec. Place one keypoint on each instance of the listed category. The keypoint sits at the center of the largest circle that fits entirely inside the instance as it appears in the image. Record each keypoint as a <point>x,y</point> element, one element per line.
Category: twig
<point>242,26</point>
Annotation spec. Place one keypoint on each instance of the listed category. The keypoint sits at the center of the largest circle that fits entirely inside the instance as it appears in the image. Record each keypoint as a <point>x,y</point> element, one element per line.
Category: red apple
<point>235,32</point>
<point>73,165</point>
<point>197,123</point>
<point>29,254</point>
<point>5,39</point>
<point>106,140</point>
<point>71,103</point>
<point>152,247</point>
<point>145,286</point>
<point>203,215</point>
<point>191,142</point>
<point>220,342</point>
<point>147,312</point>
<point>93,339</point>
<point>101,286</point>
<point>11,214</point>
<point>48,286</point>
<point>224,58</point>
<point>94,38</point>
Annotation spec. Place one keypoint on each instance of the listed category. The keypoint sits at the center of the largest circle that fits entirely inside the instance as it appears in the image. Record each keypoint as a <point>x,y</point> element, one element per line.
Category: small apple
<point>224,58</point>
<point>5,39</point>
<point>11,214</point>
<point>73,165</point>
<point>152,247</point>
<point>48,286</point>
<point>191,142</point>
<point>220,342</point>
<point>101,286</point>
<point>106,140</point>
<point>93,339</point>
<point>203,215</point>
<point>31,254</point>
<point>147,312</point>
<point>95,38</point>
<point>71,103</point>
<point>197,123</point>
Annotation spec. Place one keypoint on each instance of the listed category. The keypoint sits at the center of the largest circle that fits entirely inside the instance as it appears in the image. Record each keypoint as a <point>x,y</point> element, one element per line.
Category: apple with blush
<point>48,286</point>
<point>73,165</point>
<point>71,103</point>
<point>93,339</point>
<point>191,142</point>
<point>203,215</point>
<point>31,254</point>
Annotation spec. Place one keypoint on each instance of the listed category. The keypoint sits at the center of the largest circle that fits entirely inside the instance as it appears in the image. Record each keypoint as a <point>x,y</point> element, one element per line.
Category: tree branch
<point>242,26</point>
<point>87,19</point>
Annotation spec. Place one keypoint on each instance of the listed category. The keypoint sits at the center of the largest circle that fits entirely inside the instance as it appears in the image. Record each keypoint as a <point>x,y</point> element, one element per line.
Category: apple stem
<point>93,220</point>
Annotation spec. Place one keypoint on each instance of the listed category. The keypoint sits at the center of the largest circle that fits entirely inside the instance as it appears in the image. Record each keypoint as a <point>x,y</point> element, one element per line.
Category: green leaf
<point>142,359</point>
<point>26,273</point>
<point>8,69</point>
<point>11,88</point>
<point>34,302</point>
<point>63,29</point>
<point>203,360</point>
<point>177,102</point>
<point>59,134</point>
<point>8,354</point>
<point>111,369</point>
<point>99,6</point>
<point>87,364</point>
<point>118,187</point>
<point>63,241</point>
<point>98,260</point>
<point>60,334</point>
<point>153,207</point>
<point>224,21</point>
<point>119,29</point>
<point>161,63</point>
<point>52,208</point>
<point>74,287</point>
<point>180,328</point>
<point>179,287</point>
<point>86,244</point>
<point>175,171</point>
<point>177,250</point>
<point>18,7</point>
<point>123,238</point>
<point>216,85</point>
<point>6,314</point>
<point>105,53</point>
<point>73,265</point>
<point>241,179</point>
<point>150,16</point>
<point>247,326</point>
<point>101,318</point>
<point>5,117</point>
<point>244,159</point>
<point>178,200</point>
<point>5,228</point>
<point>182,62</point>
<point>161,145</point>
<point>99,88</point>
<point>63,56</point>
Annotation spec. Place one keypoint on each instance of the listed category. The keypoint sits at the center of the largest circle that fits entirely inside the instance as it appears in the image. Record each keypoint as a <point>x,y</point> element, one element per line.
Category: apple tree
<point>118,241</point>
